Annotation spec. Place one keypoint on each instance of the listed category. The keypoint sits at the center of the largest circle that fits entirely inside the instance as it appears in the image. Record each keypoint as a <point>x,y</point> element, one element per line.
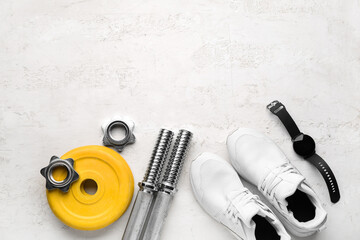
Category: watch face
<point>304,145</point>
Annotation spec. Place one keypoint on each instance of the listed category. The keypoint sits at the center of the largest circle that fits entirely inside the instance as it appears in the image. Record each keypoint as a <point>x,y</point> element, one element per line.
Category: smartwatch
<point>304,145</point>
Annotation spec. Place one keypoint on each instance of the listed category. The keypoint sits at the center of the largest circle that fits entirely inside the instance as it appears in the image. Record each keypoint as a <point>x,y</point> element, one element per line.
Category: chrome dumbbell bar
<point>148,187</point>
<point>154,199</point>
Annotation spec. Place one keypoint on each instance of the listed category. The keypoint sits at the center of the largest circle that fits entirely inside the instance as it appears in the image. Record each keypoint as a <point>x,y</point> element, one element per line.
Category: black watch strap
<point>328,176</point>
<point>279,110</point>
<point>306,149</point>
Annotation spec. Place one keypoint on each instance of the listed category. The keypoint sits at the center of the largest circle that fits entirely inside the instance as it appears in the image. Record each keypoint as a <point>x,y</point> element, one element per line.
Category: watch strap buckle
<point>275,106</point>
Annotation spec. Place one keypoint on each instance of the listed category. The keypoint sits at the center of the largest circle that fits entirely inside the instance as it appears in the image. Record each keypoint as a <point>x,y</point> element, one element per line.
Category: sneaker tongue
<point>287,187</point>
<point>247,210</point>
<point>250,210</point>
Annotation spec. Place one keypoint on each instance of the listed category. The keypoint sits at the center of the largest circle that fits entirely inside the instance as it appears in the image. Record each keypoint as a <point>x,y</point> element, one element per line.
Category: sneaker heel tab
<point>323,227</point>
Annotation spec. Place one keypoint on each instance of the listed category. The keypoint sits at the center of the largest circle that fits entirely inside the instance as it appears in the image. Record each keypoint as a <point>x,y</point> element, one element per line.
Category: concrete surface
<point>209,66</point>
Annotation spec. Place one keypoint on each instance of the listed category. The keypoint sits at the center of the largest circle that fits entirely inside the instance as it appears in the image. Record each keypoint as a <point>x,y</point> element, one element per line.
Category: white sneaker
<point>218,189</point>
<point>258,159</point>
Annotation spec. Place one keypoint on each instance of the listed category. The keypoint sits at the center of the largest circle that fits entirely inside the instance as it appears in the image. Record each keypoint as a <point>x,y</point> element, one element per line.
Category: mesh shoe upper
<point>221,194</point>
<point>262,163</point>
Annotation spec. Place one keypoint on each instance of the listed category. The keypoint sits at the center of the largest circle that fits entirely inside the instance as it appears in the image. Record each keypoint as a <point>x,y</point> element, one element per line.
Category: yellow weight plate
<point>99,167</point>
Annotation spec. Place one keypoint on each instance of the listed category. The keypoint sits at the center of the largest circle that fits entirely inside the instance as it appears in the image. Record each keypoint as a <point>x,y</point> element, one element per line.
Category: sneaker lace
<point>269,183</point>
<point>239,202</point>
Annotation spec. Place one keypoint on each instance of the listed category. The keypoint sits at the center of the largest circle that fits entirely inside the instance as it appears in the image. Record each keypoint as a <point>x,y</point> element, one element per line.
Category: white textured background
<point>205,65</point>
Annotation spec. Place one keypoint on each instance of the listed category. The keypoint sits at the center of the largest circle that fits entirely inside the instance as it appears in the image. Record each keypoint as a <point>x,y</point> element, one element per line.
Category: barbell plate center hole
<point>89,186</point>
<point>59,173</point>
